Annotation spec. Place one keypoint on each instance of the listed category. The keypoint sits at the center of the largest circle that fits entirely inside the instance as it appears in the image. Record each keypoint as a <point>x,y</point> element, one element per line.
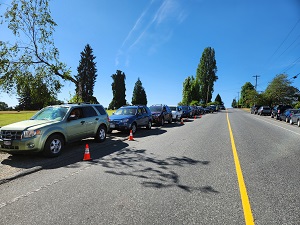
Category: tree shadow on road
<point>153,172</point>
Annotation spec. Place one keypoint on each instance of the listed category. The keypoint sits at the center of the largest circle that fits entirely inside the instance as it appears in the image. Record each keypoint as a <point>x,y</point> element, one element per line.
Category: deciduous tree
<point>206,74</point>
<point>33,50</point>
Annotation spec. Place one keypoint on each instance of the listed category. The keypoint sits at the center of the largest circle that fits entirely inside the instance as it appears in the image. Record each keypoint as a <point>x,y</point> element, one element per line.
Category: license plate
<point>112,125</point>
<point>7,142</point>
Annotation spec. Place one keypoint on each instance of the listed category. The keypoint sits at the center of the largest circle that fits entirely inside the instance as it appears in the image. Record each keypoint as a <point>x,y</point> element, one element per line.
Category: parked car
<point>278,110</point>
<point>201,110</point>
<point>264,110</point>
<point>52,127</point>
<point>186,111</point>
<point>286,115</point>
<point>161,113</point>
<point>254,109</point>
<point>128,118</point>
<point>214,108</point>
<point>176,112</point>
<point>221,107</point>
<point>295,118</point>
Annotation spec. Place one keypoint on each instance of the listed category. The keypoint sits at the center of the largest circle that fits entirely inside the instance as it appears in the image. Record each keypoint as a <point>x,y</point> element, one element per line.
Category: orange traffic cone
<point>87,155</point>
<point>181,122</point>
<point>195,117</point>
<point>130,136</point>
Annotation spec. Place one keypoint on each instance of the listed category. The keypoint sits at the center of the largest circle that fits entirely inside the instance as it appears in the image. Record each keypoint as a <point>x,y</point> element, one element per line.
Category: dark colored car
<point>221,107</point>
<point>128,118</point>
<point>161,113</point>
<point>214,108</point>
<point>186,111</point>
<point>287,114</point>
<point>264,110</point>
<point>278,110</point>
<point>254,109</point>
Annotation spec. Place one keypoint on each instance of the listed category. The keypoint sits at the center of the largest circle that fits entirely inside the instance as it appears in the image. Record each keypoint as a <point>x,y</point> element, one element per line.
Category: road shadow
<point>154,172</point>
<point>72,154</point>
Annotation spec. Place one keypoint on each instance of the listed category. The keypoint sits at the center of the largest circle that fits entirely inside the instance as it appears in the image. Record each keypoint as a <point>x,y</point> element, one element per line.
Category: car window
<point>51,113</point>
<point>155,108</point>
<point>100,109</point>
<point>89,111</point>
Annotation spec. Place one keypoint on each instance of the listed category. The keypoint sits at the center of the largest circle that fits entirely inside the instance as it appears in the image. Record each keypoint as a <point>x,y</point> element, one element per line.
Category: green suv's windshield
<point>126,111</point>
<point>51,113</point>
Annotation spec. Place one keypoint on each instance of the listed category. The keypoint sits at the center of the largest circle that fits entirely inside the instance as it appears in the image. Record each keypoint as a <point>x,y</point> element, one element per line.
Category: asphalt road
<point>177,174</point>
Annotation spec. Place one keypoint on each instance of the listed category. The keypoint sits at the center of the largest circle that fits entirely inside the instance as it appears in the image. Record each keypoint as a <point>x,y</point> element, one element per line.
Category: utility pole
<point>256,76</point>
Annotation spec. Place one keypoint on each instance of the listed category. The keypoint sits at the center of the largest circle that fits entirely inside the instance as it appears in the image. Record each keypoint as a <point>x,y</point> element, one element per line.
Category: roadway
<point>177,174</point>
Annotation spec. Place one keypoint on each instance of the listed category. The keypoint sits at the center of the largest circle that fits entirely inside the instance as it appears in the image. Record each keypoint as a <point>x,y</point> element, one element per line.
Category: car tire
<point>286,119</point>
<point>291,122</point>
<point>53,146</point>
<point>101,134</point>
<point>170,120</point>
<point>298,123</point>
<point>149,125</point>
<point>162,121</point>
<point>133,127</point>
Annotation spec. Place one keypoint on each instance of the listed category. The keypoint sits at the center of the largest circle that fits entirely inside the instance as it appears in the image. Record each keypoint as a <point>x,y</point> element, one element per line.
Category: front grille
<point>12,135</point>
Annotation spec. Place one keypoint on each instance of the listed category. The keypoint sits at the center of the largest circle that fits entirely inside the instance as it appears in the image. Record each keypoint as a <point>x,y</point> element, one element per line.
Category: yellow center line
<point>243,191</point>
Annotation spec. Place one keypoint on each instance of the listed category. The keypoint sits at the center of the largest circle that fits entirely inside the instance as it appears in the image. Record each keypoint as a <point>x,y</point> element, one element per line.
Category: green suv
<point>52,127</point>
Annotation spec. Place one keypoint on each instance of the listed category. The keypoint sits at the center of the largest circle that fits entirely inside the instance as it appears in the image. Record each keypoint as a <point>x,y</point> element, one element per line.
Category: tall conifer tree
<point>87,74</point>
<point>139,96</point>
<point>118,89</point>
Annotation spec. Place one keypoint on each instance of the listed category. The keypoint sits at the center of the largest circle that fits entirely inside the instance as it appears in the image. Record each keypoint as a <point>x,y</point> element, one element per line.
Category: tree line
<point>30,65</point>
<point>279,91</point>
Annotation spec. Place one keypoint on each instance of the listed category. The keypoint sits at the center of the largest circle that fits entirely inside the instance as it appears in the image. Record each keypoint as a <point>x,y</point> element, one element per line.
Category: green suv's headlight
<point>30,133</point>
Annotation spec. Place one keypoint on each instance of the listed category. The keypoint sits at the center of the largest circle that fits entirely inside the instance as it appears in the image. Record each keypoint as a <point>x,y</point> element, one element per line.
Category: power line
<point>286,38</point>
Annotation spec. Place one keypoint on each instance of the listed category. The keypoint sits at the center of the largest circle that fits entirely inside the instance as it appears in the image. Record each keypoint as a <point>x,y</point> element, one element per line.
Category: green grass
<point>8,117</point>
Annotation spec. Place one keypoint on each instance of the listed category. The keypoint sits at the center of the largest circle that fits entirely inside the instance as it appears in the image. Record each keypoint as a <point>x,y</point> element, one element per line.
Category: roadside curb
<point>21,174</point>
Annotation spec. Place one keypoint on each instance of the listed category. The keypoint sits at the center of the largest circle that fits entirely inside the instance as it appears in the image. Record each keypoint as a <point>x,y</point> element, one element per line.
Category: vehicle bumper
<point>119,126</point>
<point>19,146</point>
<point>156,119</point>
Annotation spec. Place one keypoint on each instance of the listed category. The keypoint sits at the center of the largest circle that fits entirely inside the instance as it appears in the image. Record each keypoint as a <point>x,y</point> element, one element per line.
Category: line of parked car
<point>51,128</point>
<point>280,112</point>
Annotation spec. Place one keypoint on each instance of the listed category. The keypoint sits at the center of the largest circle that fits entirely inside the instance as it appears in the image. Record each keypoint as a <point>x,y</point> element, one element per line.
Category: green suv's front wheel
<point>53,146</point>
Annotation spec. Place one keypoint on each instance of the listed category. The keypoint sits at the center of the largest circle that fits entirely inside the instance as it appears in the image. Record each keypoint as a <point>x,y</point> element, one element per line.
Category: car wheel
<point>101,134</point>
<point>53,146</point>
<point>286,119</point>
<point>133,128</point>
<point>149,125</point>
<point>170,120</point>
<point>298,123</point>
<point>291,121</point>
<point>162,122</point>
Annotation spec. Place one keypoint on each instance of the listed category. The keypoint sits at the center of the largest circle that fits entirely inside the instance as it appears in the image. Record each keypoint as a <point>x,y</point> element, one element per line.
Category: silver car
<point>176,112</point>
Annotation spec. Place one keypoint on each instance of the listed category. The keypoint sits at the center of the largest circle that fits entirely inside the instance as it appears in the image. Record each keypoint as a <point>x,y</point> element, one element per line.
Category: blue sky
<point>161,42</point>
